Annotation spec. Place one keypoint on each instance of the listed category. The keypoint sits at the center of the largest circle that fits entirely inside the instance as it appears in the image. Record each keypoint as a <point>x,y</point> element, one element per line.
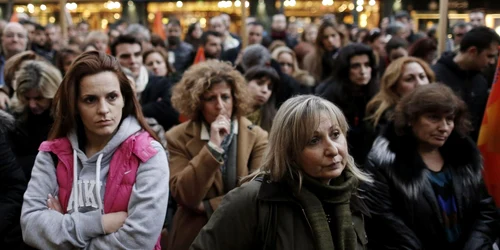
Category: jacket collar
<point>399,155</point>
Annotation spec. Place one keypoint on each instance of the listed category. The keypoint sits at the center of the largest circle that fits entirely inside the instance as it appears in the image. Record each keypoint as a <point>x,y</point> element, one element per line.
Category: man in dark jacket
<point>183,52</point>
<point>153,91</point>
<point>462,71</point>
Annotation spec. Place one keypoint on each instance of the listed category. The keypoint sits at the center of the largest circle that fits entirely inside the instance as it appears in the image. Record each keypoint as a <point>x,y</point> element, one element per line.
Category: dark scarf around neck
<point>337,195</point>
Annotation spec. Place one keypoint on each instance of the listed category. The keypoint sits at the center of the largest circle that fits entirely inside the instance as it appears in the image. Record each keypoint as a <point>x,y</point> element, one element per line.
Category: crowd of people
<point>336,138</point>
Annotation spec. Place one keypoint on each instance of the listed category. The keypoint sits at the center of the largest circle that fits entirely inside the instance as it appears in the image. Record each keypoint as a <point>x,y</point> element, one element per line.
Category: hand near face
<point>219,129</point>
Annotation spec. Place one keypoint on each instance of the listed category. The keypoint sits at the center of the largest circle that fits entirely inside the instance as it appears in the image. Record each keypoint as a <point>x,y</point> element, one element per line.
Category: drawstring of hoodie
<point>75,182</point>
<point>97,181</point>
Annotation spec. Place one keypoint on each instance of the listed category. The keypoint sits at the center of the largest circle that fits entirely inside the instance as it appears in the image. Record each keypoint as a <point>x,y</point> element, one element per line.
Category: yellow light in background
<point>31,8</point>
<point>360,2</point>
<point>342,8</point>
<point>292,19</point>
<point>117,16</point>
<point>359,8</point>
<point>429,24</point>
<point>237,3</point>
<point>247,4</point>
<point>203,22</point>
<point>450,36</point>
<point>20,9</point>
<point>371,2</point>
<point>498,30</point>
<point>179,4</point>
<point>52,19</point>
<point>86,13</point>
<point>489,21</point>
<point>104,23</point>
<point>351,6</point>
<point>363,20</point>
<point>43,7</point>
<point>164,20</point>
<point>151,16</point>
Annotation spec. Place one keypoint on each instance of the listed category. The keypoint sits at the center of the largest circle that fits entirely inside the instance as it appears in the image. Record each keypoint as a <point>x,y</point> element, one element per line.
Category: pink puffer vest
<point>135,149</point>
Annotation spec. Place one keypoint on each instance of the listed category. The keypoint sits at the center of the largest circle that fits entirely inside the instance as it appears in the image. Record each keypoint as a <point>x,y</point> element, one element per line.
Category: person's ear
<point>472,50</point>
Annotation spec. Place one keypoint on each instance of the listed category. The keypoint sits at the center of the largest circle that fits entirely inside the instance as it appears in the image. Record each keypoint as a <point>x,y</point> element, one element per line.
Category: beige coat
<point>196,176</point>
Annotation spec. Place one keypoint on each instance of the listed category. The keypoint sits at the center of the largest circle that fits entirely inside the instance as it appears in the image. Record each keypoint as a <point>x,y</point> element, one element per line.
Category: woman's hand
<point>54,204</point>
<point>219,129</point>
<point>113,221</point>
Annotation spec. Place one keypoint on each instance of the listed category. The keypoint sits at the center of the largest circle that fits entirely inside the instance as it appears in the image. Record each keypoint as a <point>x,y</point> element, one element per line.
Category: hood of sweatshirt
<point>447,60</point>
<point>89,177</point>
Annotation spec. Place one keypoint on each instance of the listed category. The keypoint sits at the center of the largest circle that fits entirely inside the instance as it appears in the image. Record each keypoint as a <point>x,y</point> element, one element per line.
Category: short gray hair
<point>255,55</point>
<point>138,31</point>
<point>395,27</point>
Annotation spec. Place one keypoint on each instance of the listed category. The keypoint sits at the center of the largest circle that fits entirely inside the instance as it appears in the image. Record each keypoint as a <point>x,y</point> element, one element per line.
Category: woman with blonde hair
<point>213,149</point>
<point>320,62</point>
<point>97,39</point>
<point>12,65</point>
<point>37,83</point>
<point>304,196</point>
<point>401,77</point>
<point>288,63</point>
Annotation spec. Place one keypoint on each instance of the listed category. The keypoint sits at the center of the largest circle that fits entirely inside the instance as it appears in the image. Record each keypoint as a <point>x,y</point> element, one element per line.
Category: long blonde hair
<point>387,96</point>
<point>294,125</point>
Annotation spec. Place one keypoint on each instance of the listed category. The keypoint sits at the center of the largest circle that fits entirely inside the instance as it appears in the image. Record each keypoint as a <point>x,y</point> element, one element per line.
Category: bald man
<point>217,24</point>
<point>14,40</point>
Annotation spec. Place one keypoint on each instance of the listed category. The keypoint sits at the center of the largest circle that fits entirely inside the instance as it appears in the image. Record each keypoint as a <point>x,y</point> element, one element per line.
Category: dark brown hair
<point>62,54</point>
<point>432,98</point>
<point>66,118</point>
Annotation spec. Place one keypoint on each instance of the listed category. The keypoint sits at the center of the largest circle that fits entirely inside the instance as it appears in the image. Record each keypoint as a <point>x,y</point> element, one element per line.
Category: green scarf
<point>338,195</point>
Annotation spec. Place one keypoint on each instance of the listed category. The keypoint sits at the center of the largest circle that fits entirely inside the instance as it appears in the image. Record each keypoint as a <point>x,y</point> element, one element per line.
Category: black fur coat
<point>404,208</point>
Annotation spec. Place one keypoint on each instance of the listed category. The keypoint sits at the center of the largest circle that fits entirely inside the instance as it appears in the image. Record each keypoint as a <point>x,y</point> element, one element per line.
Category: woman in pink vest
<point>101,181</point>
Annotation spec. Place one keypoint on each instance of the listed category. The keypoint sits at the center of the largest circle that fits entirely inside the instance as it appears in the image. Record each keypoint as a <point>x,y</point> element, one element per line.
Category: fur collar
<point>398,156</point>
<point>6,121</point>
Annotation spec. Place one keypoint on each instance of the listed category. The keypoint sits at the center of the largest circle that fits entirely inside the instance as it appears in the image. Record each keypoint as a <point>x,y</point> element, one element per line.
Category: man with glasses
<point>14,41</point>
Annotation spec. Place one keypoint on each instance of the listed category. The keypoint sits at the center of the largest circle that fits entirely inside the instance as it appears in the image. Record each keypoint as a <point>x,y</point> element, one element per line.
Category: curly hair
<point>186,95</point>
<point>432,98</point>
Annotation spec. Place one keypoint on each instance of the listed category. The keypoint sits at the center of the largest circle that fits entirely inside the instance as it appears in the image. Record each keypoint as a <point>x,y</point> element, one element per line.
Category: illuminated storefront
<point>100,13</point>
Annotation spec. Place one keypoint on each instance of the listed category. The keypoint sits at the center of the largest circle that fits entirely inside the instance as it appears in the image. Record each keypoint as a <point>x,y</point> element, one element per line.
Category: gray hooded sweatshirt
<point>82,228</point>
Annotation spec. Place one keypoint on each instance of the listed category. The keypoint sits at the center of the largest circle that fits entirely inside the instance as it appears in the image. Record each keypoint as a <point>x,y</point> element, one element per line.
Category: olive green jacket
<point>264,209</point>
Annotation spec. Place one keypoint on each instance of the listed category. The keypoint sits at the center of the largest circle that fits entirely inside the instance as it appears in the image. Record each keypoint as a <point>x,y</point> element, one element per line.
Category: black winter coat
<point>471,86</point>
<point>403,206</point>
<point>155,101</point>
<point>12,187</point>
<point>30,131</point>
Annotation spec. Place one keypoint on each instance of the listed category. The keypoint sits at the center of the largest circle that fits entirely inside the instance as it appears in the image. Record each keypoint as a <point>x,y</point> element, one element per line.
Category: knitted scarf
<point>337,195</point>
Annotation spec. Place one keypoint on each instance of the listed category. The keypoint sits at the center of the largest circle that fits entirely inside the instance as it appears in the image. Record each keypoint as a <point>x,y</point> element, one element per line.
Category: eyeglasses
<point>12,35</point>
<point>285,64</point>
